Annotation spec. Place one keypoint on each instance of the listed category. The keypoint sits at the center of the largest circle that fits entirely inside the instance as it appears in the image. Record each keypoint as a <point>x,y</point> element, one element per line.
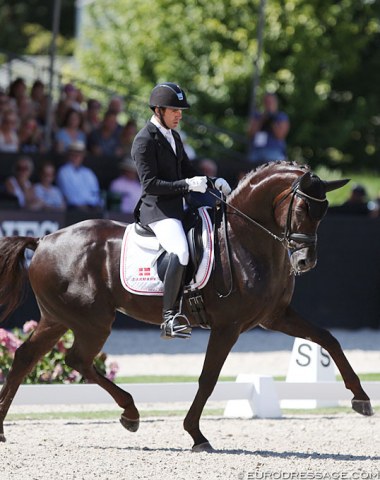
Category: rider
<point>166,176</point>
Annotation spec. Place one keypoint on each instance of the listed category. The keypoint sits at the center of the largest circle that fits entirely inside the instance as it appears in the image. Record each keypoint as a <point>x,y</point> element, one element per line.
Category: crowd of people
<point>84,126</point>
<point>80,126</point>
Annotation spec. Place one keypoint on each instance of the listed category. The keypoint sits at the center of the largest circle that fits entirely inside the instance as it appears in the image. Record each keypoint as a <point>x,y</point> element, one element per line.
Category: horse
<point>267,237</point>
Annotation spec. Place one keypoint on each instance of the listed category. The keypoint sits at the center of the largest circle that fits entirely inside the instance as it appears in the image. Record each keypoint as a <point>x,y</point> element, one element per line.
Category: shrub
<point>52,367</point>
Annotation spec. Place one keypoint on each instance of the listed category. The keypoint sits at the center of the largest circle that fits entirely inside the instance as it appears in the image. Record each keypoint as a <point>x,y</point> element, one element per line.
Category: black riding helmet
<point>168,95</point>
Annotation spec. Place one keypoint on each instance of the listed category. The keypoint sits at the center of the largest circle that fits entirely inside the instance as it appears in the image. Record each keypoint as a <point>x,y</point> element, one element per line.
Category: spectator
<point>50,196</point>
<point>127,135</point>
<point>71,131</point>
<point>24,107</point>
<point>356,204</point>
<point>67,101</point>
<point>8,132</point>
<point>208,167</point>
<point>105,140</point>
<point>127,186</point>
<point>5,103</point>
<point>92,118</point>
<point>39,101</point>
<point>30,136</point>
<point>79,184</point>
<point>17,90</point>
<point>116,104</point>
<point>20,185</point>
<point>267,133</point>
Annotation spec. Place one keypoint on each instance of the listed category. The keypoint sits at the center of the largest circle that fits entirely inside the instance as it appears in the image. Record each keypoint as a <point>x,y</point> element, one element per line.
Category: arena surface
<point>337,446</point>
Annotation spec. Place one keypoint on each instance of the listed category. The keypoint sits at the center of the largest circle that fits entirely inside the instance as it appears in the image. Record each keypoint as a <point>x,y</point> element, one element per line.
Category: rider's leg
<point>172,238</point>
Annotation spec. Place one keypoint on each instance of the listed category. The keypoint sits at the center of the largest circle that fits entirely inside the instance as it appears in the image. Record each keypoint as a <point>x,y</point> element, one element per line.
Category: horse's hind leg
<point>293,324</point>
<point>27,355</point>
<point>87,344</point>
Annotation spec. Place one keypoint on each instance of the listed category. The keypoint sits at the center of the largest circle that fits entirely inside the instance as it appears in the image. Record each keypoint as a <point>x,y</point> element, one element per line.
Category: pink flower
<point>9,340</point>
<point>113,369</point>
<point>29,326</point>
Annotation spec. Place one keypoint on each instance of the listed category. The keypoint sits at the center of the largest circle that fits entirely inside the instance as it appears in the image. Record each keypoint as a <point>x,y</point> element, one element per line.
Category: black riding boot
<point>175,324</point>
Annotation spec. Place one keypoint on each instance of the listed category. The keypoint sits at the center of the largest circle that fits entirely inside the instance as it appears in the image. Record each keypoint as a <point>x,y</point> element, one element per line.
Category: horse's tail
<point>13,272</point>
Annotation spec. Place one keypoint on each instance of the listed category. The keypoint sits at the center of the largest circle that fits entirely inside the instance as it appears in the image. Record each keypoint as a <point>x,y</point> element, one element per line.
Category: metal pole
<point>53,48</point>
<point>257,60</point>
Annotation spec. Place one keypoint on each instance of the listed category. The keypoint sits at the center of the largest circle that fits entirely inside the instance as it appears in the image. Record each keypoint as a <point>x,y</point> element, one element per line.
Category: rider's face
<point>172,117</point>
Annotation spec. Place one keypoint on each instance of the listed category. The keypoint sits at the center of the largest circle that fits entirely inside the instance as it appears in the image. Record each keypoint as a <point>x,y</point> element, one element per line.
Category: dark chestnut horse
<point>272,219</point>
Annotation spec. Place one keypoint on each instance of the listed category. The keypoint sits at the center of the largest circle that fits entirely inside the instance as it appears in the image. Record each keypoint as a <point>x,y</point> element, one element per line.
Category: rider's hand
<point>197,184</point>
<point>222,185</point>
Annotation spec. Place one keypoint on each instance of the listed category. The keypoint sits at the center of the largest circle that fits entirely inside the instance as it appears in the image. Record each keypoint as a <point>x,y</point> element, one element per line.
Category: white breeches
<point>172,238</point>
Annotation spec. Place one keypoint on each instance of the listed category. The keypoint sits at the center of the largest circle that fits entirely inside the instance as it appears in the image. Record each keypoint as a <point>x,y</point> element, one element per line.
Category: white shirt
<point>167,133</point>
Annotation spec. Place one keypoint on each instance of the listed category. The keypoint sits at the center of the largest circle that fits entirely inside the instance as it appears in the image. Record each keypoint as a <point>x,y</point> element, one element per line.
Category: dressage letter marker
<point>309,363</point>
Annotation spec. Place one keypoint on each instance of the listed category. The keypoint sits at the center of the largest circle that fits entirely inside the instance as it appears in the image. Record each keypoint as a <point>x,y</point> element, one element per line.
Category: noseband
<point>288,239</point>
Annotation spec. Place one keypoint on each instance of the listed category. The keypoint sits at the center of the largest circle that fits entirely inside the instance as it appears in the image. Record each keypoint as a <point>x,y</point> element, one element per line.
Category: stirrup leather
<point>177,326</point>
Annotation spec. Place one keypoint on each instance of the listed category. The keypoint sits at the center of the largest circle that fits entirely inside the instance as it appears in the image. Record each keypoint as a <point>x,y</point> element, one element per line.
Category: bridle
<point>288,239</point>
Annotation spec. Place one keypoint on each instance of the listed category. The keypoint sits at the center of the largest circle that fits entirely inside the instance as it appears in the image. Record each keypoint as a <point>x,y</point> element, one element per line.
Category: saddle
<point>194,225</point>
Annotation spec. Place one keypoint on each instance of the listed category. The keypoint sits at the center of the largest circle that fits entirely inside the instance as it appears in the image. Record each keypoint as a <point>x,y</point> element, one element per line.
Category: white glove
<point>197,184</point>
<point>221,184</point>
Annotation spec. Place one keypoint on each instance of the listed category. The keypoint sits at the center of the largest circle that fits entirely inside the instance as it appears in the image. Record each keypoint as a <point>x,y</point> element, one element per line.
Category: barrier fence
<point>262,395</point>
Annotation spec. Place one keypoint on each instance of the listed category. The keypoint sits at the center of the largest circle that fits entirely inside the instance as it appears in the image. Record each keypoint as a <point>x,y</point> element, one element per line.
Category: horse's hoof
<point>129,424</point>
<point>202,447</point>
<point>363,407</point>
<point>2,437</point>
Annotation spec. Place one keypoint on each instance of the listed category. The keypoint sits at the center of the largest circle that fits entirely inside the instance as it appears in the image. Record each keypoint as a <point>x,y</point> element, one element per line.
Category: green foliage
<point>52,367</point>
<point>321,57</point>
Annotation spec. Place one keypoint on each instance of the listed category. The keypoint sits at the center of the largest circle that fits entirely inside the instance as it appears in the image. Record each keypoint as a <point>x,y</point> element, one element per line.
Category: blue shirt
<point>79,185</point>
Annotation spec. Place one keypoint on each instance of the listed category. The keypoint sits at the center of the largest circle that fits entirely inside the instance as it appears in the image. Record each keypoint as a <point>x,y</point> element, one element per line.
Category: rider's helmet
<point>168,95</point>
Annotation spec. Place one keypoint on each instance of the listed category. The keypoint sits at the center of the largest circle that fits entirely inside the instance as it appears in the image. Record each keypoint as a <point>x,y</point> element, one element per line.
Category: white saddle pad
<point>139,254</point>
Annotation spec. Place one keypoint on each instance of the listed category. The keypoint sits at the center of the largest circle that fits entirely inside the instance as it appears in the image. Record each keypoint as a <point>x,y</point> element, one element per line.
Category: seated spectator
<point>67,101</point>
<point>79,184</point>
<point>39,101</point>
<point>127,134</point>
<point>8,132</point>
<point>92,119</point>
<point>208,167</point>
<point>105,140</point>
<point>20,185</point>
<point>30,136</point>
<point>356,204</point>
<point>50,196</point>
<point>24,107</point>
<point>127,186</point>
<point>268,130</point>
<point>17,90</point>
<point>70,132</point>
<point>5,103</point>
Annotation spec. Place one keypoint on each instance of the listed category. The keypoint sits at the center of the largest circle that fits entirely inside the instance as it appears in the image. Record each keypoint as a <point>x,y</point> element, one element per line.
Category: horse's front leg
<point>293,324</point>
<point>219,346</point>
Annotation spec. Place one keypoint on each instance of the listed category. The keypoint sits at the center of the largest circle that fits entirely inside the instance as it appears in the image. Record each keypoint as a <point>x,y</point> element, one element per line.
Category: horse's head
<point>299,210</point>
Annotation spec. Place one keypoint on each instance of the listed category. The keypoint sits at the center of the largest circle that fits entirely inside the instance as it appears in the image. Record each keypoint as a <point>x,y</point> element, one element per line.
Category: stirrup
<point>173,329</point>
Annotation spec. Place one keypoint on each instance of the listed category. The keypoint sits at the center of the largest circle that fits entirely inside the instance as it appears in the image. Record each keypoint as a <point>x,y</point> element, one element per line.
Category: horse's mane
<point>266,170</point>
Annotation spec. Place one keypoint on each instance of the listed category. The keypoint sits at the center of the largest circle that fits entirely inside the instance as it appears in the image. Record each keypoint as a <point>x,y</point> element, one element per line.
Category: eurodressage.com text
<point>310,475</point>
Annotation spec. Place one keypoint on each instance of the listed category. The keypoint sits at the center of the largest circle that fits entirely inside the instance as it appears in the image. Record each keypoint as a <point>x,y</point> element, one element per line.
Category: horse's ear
<point>305,181</point>
<point>335,184</point>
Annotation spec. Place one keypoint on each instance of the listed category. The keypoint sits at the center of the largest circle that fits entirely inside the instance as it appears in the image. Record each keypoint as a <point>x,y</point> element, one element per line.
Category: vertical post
<point>257,60</point>
<point>53,48</point>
